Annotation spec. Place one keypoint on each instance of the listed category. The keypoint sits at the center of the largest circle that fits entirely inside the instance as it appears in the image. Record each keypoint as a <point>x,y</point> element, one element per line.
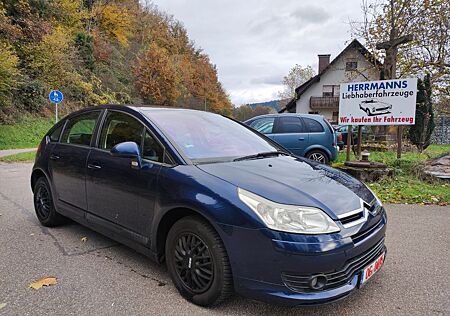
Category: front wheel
<point>198,263</point>
<point>319,156</point>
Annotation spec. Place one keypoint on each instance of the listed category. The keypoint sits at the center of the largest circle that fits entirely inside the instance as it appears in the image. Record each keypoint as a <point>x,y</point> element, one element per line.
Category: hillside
<point>274,104</point>
<point>99,52</point>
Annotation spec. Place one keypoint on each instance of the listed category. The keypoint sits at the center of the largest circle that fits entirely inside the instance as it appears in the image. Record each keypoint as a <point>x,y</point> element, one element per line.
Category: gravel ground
<point>101,277</point>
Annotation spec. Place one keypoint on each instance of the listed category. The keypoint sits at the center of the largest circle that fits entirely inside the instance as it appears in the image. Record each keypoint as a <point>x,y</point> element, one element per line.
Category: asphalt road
<point>101,277</point>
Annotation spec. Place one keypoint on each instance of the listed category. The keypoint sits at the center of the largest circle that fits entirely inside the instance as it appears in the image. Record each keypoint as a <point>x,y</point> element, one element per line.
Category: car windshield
<point>208,137</point>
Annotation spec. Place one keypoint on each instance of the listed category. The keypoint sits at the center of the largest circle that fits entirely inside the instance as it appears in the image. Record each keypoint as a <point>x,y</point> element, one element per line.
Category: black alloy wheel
<point>198,262</point>
<point>42,202</point>
<point>194,264</point>
<point>44,206</point>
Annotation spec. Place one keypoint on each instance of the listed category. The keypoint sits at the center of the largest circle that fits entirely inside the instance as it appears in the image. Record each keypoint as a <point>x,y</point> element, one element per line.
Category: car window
<point>313,125</point>
<point>208,137</point>
<point>118,128</point>
<point>289,124</point>
<point>152,150</point>
<point>263,125</point>
<point>54,136</point>
<point>80,129</point>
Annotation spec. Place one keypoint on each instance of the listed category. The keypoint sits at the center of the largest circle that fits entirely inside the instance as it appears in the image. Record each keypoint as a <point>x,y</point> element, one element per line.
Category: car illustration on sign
<point>375,107</point>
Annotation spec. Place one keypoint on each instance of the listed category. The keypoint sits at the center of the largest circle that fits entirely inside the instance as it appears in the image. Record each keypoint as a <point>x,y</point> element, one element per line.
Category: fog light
<point>318,282</point>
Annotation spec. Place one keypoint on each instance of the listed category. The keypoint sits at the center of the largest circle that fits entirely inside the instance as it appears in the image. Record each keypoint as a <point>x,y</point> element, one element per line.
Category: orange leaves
<point>45,281</point>
<point>156,76</point>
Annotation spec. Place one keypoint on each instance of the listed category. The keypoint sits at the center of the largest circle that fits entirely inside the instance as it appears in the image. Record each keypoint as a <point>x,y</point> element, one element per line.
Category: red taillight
<point>340,137</point>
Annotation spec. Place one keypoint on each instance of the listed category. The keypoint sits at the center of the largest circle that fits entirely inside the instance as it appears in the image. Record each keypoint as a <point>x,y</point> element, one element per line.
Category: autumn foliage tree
<point>98,51</point>
<point>427,21</point>
<point>157,77</point>
<point>296,76</point>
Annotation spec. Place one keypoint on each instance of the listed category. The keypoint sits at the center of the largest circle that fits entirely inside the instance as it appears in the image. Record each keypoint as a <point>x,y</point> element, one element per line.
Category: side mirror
<point>126,150</point>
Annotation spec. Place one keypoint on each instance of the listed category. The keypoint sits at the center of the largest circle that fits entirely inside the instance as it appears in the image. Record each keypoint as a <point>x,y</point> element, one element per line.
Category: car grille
<point>338,278</point>
<point>359,236</point>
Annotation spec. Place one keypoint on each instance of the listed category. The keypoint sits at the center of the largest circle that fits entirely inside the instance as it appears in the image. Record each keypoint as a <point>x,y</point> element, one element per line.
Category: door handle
<point>54,157</point>
<point>94,166</point>
<point>301,138</point>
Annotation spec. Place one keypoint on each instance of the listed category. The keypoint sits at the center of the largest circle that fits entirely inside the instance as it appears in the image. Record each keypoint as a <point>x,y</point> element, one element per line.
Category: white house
<point>320,94</point>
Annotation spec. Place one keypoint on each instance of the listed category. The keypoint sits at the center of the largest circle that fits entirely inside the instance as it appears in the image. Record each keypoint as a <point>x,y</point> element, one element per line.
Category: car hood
<point>296,181</point>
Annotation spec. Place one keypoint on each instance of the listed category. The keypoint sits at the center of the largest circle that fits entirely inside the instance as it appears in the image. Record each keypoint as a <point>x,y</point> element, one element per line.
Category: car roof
<point>127,108</point>
<point>314,116</point>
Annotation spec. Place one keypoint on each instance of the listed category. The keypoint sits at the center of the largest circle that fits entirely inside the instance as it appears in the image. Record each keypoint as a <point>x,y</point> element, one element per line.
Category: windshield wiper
<point>262,155</point>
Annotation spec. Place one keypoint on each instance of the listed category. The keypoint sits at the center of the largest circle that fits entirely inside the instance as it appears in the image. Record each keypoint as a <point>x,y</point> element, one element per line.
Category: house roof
<point>355,44</point>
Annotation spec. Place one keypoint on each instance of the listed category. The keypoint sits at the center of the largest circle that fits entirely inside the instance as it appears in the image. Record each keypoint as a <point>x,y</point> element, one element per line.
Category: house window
<point>351,65</point>
<point>330,91</point>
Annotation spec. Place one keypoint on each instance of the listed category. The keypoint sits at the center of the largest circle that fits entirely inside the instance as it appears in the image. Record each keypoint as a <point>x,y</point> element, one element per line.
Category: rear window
<point>313,126</point>
<point>54,136</point>
<point>79,130</point>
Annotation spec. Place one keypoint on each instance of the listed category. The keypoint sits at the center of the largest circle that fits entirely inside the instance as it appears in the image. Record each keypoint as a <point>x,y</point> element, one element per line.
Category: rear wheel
<point>319,156</point>
<point>44,206</point>
<point>198,263</point>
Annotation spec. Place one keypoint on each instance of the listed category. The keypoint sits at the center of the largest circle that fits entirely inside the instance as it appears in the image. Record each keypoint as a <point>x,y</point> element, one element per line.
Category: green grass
<point>27,133</point>
<point>411,190</point>
<point>21,157</point>
<point>406,186</point>
<point>390,157</point>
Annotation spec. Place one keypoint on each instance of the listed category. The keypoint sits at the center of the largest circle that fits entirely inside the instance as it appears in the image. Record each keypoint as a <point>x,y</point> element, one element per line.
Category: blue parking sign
<point>55,96</point>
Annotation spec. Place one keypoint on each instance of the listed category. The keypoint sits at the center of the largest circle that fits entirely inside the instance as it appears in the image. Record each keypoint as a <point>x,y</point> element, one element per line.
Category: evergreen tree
<point>420,133</point>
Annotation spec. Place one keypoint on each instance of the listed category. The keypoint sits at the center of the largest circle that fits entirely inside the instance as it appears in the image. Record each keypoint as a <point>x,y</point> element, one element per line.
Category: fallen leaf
<point>2,305</point>
<point>45,281</point>
<point>84,239</point>
<point>31,234</point>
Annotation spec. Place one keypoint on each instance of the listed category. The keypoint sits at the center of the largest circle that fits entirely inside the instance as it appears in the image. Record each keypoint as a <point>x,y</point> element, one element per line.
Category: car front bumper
<point>261,258</point>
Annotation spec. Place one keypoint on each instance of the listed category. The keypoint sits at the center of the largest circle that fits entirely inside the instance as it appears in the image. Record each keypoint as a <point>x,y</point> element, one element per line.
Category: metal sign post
<point>56,97</point>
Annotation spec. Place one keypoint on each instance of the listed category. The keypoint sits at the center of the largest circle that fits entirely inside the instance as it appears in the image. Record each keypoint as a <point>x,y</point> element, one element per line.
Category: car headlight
<point>289,218</point>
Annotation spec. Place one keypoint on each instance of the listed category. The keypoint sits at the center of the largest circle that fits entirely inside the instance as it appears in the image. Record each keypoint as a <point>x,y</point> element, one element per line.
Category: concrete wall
<point>336,75</point>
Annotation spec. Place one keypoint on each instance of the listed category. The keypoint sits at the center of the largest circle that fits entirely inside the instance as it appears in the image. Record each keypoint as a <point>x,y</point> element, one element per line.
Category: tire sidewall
<point>48,221</point>
<point>205,232</point>
<point>327,160</point>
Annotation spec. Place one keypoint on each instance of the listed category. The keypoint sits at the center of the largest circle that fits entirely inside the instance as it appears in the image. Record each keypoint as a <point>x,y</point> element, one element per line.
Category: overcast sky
<point>254,43</point>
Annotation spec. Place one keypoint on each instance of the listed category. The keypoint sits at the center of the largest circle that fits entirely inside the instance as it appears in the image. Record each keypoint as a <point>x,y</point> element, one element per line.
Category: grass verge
<point>406,186</point>
<point>27,133</point>
<point>21,157</point>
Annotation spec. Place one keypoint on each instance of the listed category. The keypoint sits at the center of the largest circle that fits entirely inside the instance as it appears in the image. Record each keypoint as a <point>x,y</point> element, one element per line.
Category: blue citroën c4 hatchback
<point>226,208</point>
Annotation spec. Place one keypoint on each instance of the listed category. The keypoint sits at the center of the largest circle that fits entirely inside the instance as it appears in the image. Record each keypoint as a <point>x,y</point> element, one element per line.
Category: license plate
<point>372,268</point>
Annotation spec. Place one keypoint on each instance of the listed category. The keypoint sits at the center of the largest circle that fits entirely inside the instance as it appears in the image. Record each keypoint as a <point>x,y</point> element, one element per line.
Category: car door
<point>67,163</point>
<point>264,125</point>
<point>119,191</point>
<point>290,133</point>
<point>317,133</point>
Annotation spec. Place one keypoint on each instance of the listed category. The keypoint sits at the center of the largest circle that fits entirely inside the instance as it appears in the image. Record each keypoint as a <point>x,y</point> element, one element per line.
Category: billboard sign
<point>383,102</point>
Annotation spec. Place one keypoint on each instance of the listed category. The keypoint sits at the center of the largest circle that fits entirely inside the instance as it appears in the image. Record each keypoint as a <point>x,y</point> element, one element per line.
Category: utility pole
<point>390,61</point>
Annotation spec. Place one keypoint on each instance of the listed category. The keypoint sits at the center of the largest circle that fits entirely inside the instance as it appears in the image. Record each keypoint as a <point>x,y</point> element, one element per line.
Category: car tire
<point>44,205</point>
<point>319,156</point>
<point>198,262</point>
